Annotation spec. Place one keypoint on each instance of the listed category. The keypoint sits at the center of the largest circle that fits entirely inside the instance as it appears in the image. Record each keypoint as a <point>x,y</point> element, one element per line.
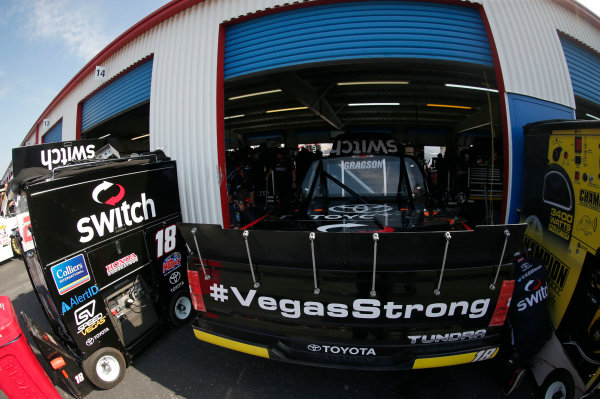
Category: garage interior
<point>427,106</point>
<point>127,131</point>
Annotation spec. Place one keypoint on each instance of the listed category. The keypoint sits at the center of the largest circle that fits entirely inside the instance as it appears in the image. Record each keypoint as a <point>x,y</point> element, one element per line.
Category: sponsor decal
<point>561,223</point>
<point>558,272</point>
<point>62,156</point>
<point>76,300</point>
<point>178,286</point>
<point>344,350</point>
<point>124,215</point>
<point>121,264</point>
<point>345,227</point>
<point>359,309</point>
<point>533,285</point>
<point>70,274</point>
<point>589,199</point>
<point>105,186</point>
<point>171,263</point>
<point>354,212</point>
<point>90,341</point>
<point>174,277</point>
<point>86,318</point>
<point>587,225</point>
<point>357,147</point>
<point>539,294</point>
<point>448,337</point>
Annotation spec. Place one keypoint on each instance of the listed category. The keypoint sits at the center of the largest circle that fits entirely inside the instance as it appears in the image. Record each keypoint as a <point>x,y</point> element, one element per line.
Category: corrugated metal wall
<point>125,92</point>
<point>531,57</point>
<point>373,29</point>
<point>184,75</point>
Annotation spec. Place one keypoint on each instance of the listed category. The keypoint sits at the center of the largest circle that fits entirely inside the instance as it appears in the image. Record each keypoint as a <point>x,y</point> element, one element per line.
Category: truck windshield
<point>367,176</point>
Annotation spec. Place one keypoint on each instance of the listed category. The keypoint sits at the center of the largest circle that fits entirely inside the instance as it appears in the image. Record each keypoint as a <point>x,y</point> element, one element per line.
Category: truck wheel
<point>105,368</point>
<point>16,248</point>
<point>558,385</point>
<point>180,308</point>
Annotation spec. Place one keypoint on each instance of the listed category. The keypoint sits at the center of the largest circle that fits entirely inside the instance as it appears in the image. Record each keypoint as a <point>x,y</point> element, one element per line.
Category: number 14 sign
<point>100,73</point>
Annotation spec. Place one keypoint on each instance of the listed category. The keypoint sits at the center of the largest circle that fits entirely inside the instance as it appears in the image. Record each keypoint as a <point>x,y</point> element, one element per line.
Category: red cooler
<point>21,375</point>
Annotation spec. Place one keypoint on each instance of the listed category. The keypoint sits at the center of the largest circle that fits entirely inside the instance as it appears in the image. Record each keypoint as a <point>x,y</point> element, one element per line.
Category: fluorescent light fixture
<point>271,111</point>
<point>448,106</point>
<point>260,93</point>
<point>593,117</point>
<point>370,104</point>
<point>234,116</point>
<point>471,87</point>
<point>140,137</point>
<point>375,82</point>
<point>103,137</point>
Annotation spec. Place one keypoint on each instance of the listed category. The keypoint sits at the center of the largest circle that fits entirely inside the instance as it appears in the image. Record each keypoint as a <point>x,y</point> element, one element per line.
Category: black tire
<point>16,247</point>
<point>180,308</point>
<point>558,385</point>
<point>105,368</point>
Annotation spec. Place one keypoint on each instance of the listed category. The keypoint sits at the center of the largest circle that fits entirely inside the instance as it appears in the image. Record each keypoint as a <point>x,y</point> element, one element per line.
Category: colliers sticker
<point>70,274</point>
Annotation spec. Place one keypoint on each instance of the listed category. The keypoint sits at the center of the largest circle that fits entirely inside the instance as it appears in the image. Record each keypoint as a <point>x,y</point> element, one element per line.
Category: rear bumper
<point>360,354</point>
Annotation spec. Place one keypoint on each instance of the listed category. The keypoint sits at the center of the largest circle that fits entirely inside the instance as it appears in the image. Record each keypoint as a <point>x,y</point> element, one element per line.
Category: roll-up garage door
<point>584,68</point>
<point>364,29</point>
<point>120,95</point>
<point>53,135</point>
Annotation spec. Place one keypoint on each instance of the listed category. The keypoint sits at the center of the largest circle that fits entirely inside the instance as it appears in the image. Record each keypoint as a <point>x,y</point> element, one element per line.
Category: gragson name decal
<point>124,215</point>
<point>56,156</point>
<point>360,308</point>
<point>121,264</point>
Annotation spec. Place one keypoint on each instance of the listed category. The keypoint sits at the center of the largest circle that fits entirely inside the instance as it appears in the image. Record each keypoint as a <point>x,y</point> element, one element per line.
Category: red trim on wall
<point>78,121</point>
<point>152,20</point>
<point>37,134</point>
<point>503,110</point>
<point>221,126</point>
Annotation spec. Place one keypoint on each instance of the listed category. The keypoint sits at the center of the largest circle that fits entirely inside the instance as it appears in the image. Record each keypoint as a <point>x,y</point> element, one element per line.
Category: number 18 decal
<point>165,240</point>
<point>485,354</point>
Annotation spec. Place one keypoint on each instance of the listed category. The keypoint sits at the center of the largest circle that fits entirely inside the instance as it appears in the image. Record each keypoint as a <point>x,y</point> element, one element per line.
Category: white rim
<point>108,368</point>
<point>183,307</point>
<point>554,388</point>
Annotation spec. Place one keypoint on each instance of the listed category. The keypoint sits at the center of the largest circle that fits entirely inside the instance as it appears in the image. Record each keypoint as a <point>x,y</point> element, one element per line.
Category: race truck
<point>9,244</point>
<point>365,271</point>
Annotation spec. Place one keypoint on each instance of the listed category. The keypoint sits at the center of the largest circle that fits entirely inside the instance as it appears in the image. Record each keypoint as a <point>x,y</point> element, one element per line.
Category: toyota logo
<point>174,277</point>
<point>361,208</point>
<point>314,348</point>
<point>89,341</point>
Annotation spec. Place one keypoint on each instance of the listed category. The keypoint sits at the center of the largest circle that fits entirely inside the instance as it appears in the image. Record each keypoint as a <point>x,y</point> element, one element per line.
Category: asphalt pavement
<point>180,366</point>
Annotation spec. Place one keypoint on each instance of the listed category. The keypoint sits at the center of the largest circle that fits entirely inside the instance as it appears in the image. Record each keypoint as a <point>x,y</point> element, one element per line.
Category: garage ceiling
<point>327,102</point>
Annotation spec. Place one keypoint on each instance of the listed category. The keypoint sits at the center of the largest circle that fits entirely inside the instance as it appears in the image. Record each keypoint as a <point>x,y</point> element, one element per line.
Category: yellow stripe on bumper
<point>230,344</point>
<point>453,360</point>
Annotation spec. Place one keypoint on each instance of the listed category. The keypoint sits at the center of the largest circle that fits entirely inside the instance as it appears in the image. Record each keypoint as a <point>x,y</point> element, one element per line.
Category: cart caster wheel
<point>105,368</point>
<point>558,385</point>
<point>180,308</point>
<point>16,248</point>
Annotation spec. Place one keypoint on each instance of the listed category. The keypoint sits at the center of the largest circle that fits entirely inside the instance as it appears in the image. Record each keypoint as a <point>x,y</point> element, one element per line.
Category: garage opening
<point>298,83</point>
<point>120,111</point>
<point>445,116</point>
